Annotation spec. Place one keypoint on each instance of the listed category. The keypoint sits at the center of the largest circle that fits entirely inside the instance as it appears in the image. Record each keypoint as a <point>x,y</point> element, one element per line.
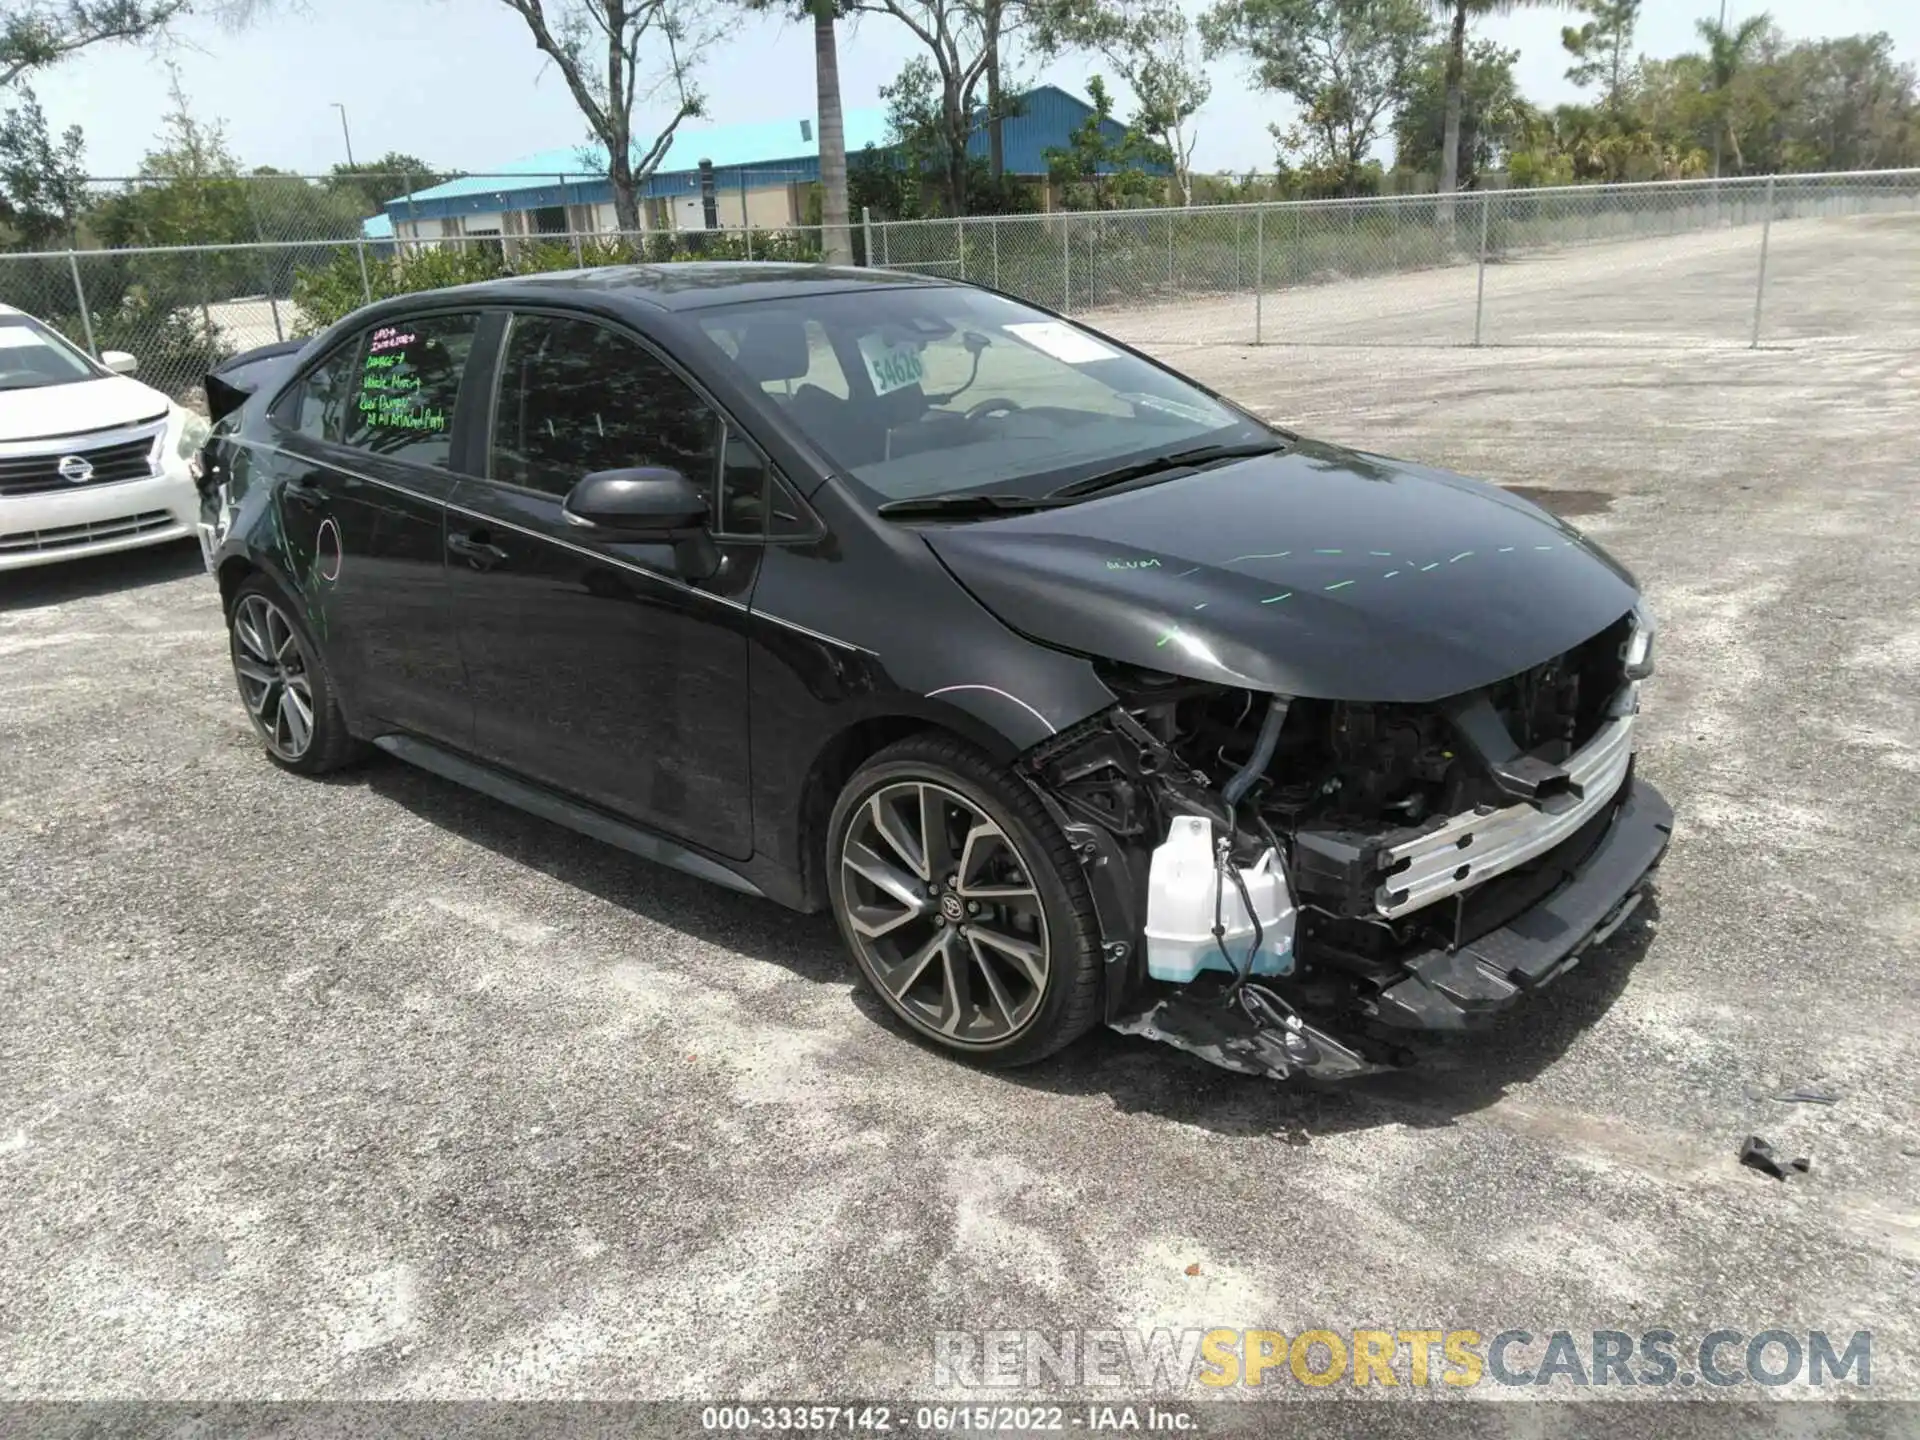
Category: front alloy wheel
<point>273,674</point>
<point>945,914</point>
<point>963,903</point>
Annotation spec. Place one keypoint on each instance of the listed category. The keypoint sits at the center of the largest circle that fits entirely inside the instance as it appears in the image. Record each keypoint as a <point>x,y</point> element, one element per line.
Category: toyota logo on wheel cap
<point>76,469</point>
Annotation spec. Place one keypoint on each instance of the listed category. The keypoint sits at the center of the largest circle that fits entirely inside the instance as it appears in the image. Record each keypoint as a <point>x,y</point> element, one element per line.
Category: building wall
<point>772,206</point>
<point>764,207</point>
<point>775,189</point>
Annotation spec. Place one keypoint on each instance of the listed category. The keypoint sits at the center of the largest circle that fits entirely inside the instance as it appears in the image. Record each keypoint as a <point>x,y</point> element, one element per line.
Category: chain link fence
<point>1837,257</point>
<point>278,208</point>
<point>1789,259</point>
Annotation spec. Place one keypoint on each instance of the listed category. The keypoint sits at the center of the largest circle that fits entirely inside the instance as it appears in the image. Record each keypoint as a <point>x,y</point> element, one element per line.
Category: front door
<point>600,668</point>
<point>365,460</point>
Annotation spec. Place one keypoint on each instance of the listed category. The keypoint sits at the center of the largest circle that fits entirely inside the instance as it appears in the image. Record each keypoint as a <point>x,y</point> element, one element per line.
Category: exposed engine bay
<point>1359,852</point>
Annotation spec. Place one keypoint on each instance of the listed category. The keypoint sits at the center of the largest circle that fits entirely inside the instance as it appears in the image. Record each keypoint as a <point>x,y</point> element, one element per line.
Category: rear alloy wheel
<point>284,685</point>
<point>965,920</point>
<point>273,677</point>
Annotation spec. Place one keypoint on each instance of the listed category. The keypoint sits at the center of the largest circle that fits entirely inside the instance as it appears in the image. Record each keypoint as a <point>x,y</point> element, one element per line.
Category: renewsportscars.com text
<point>1035,1360</point>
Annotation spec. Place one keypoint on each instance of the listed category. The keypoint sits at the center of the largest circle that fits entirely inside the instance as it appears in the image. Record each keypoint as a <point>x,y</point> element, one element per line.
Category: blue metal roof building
<point>746,158</point>
<point>1047,119</point>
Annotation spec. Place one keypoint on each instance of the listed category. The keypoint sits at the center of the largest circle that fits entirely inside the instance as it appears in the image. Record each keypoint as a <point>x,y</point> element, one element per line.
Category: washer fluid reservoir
<point>1182,885</point>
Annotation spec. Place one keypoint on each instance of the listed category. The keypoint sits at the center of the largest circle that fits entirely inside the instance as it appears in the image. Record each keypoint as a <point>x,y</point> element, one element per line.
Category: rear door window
<point>405,385</point>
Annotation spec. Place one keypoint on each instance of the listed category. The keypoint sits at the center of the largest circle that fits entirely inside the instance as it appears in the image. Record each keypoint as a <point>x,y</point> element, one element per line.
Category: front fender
<point>1019,693</point>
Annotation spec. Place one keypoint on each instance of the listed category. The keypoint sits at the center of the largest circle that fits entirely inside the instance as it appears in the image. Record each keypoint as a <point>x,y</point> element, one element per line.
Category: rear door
<point>366,462</point>
<point>601,668</point>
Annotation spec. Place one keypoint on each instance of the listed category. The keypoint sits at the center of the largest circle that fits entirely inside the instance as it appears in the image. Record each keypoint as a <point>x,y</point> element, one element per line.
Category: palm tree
<point>1456,13</point>
<point>836,237</point>
<point>1726,56</point>
<point>836,234</point>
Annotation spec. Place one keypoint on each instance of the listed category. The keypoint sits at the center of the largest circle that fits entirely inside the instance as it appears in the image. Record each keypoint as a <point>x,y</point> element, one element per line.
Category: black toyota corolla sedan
<point>1078,693</point>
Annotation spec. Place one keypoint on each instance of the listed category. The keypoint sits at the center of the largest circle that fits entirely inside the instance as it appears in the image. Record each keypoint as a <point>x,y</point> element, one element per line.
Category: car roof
<point>696,284</point>
<point>259,353</point>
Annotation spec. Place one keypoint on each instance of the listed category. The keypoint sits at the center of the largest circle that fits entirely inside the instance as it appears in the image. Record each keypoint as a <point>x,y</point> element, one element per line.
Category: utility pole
<point>344,134</point>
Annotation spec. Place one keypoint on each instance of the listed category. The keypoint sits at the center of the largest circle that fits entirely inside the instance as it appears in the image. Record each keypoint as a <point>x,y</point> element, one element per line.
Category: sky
<point>459,83</point>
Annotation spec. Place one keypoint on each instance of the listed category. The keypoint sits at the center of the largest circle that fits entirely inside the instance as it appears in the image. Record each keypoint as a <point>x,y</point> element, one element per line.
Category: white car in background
<point>90,460</point>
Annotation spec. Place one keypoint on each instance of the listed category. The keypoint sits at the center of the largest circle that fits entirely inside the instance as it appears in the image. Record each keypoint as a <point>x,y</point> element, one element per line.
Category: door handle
<point>307,497</point>
<point>474,547</point>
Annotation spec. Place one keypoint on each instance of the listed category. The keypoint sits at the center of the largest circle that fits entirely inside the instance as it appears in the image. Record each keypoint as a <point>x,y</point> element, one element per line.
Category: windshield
<point>938,391</point>
<point>32,356</point>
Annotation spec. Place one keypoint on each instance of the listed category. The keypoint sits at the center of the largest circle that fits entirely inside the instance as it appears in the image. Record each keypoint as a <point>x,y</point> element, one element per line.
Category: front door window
<point>575,398</point>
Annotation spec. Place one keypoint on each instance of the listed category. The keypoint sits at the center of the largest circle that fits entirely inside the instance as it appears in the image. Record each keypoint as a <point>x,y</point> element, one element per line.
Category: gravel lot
<point>375,1088</point>
<point>1851,281</point>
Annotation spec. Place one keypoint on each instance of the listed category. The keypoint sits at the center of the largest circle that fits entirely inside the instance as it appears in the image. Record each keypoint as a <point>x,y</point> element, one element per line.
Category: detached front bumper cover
<point>1198,1019</point>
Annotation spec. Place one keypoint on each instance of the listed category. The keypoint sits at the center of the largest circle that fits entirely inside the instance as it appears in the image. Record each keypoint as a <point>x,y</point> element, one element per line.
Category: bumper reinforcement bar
<point>1455,990</point>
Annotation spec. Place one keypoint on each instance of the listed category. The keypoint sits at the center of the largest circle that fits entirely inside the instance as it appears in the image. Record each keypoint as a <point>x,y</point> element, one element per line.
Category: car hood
<point>49,411</point>
<point>1316,572</point>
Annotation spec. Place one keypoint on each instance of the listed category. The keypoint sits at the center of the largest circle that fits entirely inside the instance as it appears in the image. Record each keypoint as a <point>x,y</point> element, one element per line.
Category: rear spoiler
<point>223,398</point>
<point>229,384</point>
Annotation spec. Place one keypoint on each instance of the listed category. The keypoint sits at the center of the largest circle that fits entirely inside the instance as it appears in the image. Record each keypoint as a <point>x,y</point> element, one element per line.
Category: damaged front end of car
<point>1289,885</point>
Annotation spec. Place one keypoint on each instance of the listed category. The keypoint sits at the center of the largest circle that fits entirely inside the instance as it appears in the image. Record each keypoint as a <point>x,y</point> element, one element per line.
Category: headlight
<point>1638,653</point>
<point>190,432</point>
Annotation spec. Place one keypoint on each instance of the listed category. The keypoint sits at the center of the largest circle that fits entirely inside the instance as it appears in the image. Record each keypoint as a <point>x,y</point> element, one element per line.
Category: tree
<point>1582,144</point>
<point>822,16</point>
<point>915,178</point>
<point>188,190</point>
<point>1457,13</point>
<point>37,34</point>
<point>878,181</point>
<point>371,185</point>
<point>1726,52</point>
<point>1097,172</point>
<point>936,92</point>
<point>1152,46</point>
<point>1842,103</point>
<point>836,235</point>
<point>993,26</point>
<point>597,46</point>
<point>1346,63</point>
<point>1602,48</point>
<point>43,182</point>
<point>1491,112</point>
<point>914,121</point>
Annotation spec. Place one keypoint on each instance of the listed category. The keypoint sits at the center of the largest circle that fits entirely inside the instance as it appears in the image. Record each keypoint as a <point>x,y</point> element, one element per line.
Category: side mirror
<point>119,361</point>
<point>650,502</point>
<point>647,503</point>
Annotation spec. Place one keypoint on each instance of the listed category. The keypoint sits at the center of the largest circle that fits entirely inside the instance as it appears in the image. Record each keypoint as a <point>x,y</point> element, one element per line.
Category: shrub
<point>327,292</point>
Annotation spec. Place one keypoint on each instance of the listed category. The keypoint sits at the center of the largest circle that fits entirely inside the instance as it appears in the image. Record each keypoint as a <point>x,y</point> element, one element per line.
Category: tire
<point>283,682</point>
<point>903,906</point>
